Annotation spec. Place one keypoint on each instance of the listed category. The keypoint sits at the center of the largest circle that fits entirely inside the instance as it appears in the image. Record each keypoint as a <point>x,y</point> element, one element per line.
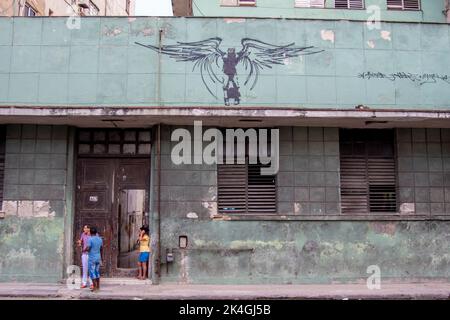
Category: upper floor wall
<point>67,8</point>
<point>430,10</point>
<point>320,64</point>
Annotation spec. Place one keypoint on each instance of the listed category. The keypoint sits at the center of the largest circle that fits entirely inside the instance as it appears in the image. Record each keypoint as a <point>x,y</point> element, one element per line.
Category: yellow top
<point>144,244</point>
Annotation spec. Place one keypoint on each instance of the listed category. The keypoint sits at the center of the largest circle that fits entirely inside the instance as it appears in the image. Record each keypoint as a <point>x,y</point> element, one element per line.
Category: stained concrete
<point>127,291</point>
<point>32,233</point>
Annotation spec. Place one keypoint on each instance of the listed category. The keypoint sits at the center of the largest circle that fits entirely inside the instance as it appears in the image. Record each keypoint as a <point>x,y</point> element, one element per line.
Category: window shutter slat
<point>232,180</point>
<point>242,189</point>
<point>349,4</point>
<point>368,171</point>
<point>403,4</point>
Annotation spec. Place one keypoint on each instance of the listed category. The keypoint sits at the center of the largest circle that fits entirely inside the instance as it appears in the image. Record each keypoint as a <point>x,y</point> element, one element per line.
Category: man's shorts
<point>144,257</point>
<point>94,269</point>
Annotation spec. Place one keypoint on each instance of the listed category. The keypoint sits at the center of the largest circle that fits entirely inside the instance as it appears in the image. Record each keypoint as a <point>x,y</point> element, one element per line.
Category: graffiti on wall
<point>417,78</point>
<point>218,66</point>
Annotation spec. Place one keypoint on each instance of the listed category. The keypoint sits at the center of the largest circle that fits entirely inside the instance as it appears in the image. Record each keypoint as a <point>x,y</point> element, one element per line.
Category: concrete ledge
<point>243,116</point>
<point>112,290</point>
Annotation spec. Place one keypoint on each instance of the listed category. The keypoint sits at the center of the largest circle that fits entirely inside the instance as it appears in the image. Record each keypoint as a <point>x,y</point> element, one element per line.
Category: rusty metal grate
<point>368,171</point>
<point>114,142</point>
<point>243,190</point>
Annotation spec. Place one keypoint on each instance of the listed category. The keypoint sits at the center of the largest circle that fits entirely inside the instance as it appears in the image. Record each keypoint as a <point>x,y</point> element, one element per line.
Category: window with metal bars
<point>2,161</point>
<point>403,4</point>
<point>114,142</point>
<point>349,4</point>
<point>242,189</point>
<point>29,11</point>
<point>368,171</point>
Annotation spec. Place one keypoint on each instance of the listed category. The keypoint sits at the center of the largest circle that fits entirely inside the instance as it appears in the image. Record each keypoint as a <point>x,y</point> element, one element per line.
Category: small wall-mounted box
<point>2,214</point>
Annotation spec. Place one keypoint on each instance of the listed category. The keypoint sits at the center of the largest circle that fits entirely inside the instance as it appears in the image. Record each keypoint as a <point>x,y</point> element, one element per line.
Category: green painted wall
<point>32,233</point>
<point>277,251</point>
<point>42,62</point>
<point>431,11</point>
<point>305,252</point>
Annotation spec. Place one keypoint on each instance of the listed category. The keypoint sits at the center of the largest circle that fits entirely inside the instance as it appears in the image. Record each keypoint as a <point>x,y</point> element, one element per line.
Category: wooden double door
<point>112,194</point>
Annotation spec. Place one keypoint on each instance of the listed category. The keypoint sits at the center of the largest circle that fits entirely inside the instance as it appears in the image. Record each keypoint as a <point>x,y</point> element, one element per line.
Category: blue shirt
<point>95,243</point>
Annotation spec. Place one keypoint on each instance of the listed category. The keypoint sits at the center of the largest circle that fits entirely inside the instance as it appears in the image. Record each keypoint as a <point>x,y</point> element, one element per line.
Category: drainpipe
<point>158,159</point>
<point>158,206</point>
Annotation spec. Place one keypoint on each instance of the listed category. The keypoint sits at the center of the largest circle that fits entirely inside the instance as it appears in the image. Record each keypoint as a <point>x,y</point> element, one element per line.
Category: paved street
<point>135,290</point>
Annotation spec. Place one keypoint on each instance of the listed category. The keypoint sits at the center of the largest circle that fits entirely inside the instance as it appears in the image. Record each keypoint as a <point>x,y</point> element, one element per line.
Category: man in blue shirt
<point>94,247</point>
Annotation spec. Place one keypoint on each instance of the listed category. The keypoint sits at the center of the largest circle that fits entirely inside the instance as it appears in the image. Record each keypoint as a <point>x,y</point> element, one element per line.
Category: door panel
<point>93,202</point>
<point>100,184</point>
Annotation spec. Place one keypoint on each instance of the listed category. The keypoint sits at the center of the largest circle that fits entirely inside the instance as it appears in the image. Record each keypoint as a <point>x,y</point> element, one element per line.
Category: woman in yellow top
<point>144,252</point>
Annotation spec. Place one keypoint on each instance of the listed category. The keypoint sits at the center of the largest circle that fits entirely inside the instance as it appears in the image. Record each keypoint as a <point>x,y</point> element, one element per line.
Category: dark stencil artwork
<point>217,66</point>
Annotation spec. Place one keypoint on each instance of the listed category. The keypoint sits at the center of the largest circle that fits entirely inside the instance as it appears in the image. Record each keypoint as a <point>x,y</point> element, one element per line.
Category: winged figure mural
<point>218,66</point>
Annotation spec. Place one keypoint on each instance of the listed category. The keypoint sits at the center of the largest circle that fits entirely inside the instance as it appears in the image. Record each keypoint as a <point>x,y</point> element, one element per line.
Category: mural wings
<point>210,60</point>
<point>257,55</point>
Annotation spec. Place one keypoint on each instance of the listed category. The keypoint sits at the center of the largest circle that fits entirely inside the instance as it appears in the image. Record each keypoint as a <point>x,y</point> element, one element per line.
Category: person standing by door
<point>95,248</point>
<point>144,252</point>
<point>83,243</point>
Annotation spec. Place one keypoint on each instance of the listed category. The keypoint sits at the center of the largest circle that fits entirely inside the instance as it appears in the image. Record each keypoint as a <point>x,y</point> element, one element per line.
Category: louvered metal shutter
<point>232,188</point>
<point>2,161</point>
<point>349,4</point>
<point>310,3</point>
<point>368,171</point>
<point>243,190</point>
<point>403,4</point>
<point>261,191</point>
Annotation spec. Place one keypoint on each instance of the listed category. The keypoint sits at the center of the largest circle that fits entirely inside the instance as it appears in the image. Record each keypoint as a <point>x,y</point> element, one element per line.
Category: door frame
<point>117,187</point>
<point>113,270</point>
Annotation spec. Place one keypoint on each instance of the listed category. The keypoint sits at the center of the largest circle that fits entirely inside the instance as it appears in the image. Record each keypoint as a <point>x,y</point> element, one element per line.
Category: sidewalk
<point>129,289</point>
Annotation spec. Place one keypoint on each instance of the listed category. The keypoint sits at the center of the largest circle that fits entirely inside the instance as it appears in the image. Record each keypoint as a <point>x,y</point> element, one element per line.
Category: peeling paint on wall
<point>407,208</point>
<point>234,20</point>
<point>386,35</point>
<point>192,215</point>
<point>327,35</point>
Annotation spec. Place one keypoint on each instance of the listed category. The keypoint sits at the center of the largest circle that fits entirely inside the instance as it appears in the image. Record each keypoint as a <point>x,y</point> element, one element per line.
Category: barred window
<point>349,4</point>
<point>368,171</point>
<point>107,142</point>
<point>403,4</point>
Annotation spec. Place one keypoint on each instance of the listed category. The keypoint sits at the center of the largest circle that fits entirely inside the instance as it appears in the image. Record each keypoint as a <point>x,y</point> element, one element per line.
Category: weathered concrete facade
<point>68,8</point>
<point>400,66</point>
<point>54,80</point>
<point>430,11</point>
<point>310,240</point>
<point>32,241</point>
